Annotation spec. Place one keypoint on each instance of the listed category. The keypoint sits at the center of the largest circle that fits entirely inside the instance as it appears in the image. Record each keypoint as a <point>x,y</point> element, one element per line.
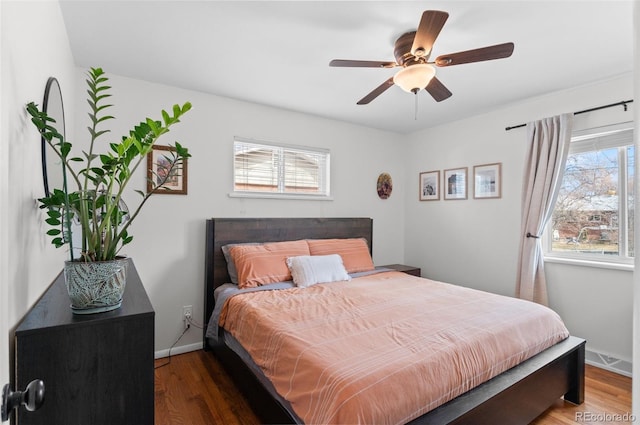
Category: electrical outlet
<point>187,313</point>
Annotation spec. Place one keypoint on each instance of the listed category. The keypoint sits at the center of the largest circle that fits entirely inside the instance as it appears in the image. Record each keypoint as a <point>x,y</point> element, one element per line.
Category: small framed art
<point>158,163</point>
<point>430,186</point>
<point>487,181</point>
<point>455,183</point>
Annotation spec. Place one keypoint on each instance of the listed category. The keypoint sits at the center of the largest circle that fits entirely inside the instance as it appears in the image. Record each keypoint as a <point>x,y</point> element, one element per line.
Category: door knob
<point>31,398</point>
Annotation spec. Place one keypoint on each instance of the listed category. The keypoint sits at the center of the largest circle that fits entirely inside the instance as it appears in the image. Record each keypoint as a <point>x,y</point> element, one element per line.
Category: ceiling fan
<point>412,51</point>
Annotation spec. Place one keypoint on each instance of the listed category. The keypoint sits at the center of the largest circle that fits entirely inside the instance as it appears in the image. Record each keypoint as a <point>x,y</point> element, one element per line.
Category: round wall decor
<point>385,185</point>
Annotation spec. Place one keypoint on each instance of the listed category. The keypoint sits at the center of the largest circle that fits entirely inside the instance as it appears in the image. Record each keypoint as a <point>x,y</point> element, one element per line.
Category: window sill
<point>590,263</point>
<point>256,195</point>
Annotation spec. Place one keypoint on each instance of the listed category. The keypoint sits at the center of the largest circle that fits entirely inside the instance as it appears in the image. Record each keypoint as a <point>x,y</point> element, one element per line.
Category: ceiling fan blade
<point>499,51</point>
<point>431,23</point>
<point>437,90</point>
<point>362,64</point>
<point>376,92</point>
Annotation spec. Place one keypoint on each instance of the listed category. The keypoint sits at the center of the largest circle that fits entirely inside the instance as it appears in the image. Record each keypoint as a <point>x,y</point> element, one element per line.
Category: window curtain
<point>548,145</point>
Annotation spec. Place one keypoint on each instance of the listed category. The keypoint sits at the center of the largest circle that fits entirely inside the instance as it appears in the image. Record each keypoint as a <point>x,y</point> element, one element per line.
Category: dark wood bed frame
<point>517,396</point>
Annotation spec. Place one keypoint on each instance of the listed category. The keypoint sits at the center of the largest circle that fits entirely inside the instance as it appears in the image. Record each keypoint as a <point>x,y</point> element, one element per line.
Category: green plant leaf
<point>100,108</point>
<point>65,148</point>
<point>182,151</point>
<point>106,159</point>
<point>105,118</point>
<point>166,117</point>
<point>98,171</point>
<point>53,221</point>
<point>126,238</point>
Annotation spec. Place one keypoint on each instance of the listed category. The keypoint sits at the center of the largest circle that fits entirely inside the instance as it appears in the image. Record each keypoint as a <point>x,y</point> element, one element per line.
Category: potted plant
<point>90,201</point>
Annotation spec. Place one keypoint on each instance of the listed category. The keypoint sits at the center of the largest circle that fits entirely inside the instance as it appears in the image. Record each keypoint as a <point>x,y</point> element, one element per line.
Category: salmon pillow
<point>354,252</point>
<point>231,267</point>
<point>258,265</point>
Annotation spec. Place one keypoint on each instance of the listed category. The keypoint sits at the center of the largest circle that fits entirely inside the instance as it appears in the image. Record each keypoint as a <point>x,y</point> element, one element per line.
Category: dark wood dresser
<point>97,369</point>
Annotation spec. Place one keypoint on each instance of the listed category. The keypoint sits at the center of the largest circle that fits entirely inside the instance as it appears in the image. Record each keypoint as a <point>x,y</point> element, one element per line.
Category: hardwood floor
<point>193,389</point>
<point>607,401</point>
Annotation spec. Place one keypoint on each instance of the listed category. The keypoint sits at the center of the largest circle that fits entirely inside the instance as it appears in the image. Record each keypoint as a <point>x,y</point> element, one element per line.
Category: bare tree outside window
<point>594,210</point>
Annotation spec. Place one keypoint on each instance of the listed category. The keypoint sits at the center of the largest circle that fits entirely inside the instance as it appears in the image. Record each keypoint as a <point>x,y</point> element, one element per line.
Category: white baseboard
<point>181,349</point>
<point>612,364</point>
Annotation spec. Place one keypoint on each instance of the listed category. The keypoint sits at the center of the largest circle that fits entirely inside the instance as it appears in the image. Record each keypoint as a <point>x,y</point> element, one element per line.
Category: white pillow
<point>308,270</point>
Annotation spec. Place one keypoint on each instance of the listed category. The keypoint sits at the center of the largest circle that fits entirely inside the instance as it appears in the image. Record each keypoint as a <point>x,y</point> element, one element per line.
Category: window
<point>265,169</point>
<point>593,216</point>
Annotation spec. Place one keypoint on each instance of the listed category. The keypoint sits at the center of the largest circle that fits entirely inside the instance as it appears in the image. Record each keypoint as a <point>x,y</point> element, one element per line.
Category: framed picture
<point>158,163</point>
<point>455,183</point>
<point>430,186</point>
<point>487,181</point>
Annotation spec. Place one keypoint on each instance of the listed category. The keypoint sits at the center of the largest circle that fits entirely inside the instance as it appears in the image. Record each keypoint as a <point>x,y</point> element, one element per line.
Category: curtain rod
<point>623,103</point>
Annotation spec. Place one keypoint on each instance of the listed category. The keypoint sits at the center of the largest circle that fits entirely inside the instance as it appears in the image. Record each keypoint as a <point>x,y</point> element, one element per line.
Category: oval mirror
<point>52,172</point>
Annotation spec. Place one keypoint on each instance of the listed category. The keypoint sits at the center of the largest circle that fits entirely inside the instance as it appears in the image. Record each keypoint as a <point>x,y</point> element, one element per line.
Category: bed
<point>515,396</point>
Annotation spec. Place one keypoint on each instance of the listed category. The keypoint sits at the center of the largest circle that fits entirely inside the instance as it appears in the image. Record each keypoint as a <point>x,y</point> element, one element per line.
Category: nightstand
<point>415,271</point>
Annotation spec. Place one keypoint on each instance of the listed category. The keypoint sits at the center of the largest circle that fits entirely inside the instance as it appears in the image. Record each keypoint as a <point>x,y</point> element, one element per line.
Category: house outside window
<point>593,216</point>
<point>263,169</point>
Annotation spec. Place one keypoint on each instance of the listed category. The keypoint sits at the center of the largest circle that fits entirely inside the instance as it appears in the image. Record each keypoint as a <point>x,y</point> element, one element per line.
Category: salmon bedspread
<point>384,348</point>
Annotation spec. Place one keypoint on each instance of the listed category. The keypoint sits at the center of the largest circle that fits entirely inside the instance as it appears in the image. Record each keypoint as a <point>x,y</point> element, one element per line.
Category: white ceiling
<point>277,53</point>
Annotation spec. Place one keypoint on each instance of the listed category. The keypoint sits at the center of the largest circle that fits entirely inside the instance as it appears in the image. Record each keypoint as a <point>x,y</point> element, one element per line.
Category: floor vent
<point>613,364</point>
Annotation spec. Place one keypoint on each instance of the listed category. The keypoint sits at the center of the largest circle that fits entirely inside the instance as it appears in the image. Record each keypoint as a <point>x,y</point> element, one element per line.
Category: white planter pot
<point>95,287</point>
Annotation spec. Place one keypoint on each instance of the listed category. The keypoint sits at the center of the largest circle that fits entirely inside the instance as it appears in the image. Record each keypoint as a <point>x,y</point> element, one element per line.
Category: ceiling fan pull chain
<point>415,117</point>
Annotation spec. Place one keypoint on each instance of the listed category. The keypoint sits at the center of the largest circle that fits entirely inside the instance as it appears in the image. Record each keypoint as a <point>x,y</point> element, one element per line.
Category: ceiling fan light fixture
<point>414,77</point>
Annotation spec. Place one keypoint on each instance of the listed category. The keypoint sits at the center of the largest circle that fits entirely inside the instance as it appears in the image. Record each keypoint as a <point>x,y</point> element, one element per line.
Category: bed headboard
<point>223,231</point>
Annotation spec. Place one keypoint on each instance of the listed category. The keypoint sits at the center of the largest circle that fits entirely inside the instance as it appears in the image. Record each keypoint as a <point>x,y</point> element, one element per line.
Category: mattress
<point>383,348</point>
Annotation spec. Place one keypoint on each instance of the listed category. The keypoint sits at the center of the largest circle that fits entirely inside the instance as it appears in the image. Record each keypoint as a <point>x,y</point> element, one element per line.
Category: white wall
<point>4,241</point>
<point>168,245</point>
<point>34,47</point>
<point>636,276</point>
<point>475,242</point>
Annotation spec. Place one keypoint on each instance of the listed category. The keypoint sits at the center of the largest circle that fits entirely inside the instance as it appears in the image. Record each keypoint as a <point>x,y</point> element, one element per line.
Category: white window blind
<point>266,168</point>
